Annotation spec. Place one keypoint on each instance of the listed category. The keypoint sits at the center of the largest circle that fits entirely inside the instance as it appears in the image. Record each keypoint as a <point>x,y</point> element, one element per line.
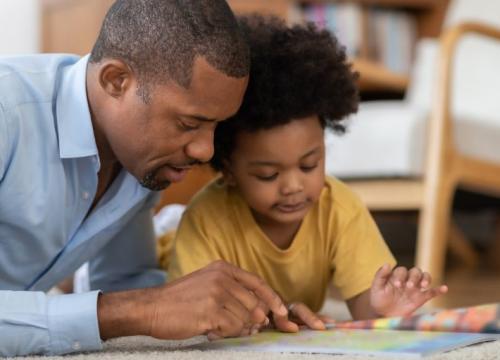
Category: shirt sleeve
<point>128,261</point>
<point>36,323</point>
<point>360,252</point>
<point>194,247</point>
<point>3,143</point>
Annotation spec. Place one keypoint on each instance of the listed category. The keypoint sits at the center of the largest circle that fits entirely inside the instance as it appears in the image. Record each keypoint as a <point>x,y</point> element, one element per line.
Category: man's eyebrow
<point>201,118</point>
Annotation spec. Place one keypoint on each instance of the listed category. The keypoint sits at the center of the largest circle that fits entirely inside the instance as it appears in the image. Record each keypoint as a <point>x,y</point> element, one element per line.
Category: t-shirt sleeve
<point>194,244</point>
<point>359,253</point>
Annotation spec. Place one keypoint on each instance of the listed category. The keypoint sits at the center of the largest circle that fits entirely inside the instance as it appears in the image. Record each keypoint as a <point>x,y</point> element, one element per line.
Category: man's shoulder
<point>31,78</point>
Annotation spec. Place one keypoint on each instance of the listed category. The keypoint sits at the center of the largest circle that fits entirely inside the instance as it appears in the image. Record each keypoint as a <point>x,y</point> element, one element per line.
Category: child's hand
<point>400,292</point>
<point>300,314</point>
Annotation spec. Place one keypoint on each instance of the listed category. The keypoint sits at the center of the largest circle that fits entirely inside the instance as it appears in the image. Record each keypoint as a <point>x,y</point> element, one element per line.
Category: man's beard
<point>151,182</point>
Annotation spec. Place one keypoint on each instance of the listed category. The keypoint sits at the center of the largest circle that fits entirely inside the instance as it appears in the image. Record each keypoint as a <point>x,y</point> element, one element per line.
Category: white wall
<point>20,30</point>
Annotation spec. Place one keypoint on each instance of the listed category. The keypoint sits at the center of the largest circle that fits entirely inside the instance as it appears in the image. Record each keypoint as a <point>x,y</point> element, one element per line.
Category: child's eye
<point>308,168</point>
<point>267,178</point>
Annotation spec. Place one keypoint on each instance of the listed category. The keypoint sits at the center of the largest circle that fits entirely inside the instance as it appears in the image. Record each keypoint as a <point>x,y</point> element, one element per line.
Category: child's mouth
<point>290,208</point>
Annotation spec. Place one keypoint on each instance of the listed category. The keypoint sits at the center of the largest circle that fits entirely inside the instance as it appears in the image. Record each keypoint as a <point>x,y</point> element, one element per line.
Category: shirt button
<point>85,195</point>
<point>76,345</point>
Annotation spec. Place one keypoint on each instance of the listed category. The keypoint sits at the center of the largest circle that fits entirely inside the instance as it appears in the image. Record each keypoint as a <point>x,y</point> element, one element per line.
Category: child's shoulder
<point>338,197</point>
<point>215,196</point>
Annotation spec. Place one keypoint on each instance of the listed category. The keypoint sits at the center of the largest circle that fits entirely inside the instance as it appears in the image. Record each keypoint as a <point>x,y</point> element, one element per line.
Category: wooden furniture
<point>71,26</point>
<point>446,169</point>
<point>373,76</point>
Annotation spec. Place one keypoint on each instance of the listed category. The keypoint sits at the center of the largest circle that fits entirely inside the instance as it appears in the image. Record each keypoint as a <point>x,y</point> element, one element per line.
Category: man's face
<point>280,171</point>
<point>159,141</point>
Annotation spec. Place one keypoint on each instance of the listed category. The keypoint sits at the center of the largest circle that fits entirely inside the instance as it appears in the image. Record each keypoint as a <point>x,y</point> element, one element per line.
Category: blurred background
<point>435,197</point>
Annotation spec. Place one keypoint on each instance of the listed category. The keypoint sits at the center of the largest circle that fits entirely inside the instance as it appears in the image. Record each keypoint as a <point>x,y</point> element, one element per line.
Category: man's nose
<point>201,147</point>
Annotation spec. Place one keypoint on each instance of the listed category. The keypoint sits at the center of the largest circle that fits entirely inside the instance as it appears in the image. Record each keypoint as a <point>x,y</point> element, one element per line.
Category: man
<point>84,143</point>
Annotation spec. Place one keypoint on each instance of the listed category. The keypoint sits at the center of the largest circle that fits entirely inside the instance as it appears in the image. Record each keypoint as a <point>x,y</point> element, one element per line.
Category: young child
<point>274,212</point>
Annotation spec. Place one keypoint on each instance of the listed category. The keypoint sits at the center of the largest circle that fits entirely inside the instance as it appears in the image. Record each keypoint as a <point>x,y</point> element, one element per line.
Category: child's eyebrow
<point>274,163</point>
<point>309,153</point>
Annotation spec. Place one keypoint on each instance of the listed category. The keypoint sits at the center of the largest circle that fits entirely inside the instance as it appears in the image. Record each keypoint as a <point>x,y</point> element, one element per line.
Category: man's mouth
<point>174,173</point>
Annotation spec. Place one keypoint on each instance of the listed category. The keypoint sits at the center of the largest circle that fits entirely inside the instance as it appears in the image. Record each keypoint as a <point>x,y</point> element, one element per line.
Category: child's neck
<point>280,234</point>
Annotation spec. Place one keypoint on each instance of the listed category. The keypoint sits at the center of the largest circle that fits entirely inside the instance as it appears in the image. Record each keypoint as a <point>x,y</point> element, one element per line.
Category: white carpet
<point>138,347</point>
<point>143,347</point>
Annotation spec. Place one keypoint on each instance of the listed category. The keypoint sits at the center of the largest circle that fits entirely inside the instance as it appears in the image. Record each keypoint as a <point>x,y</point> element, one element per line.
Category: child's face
<point>280,171</point>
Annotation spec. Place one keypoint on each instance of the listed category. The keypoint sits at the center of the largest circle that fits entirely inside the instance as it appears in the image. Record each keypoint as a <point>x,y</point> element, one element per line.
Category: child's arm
<point>394,292</point>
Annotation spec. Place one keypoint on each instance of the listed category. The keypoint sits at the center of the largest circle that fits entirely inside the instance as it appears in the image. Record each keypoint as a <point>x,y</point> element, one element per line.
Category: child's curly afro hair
<point>296,72</point>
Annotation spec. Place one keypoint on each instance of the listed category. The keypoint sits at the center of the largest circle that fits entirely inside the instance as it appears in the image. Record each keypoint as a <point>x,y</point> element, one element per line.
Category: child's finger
<point>426,280</point>
<point>433,292</point>
<point>414,278</point>
<point>382,276</point>
<point>307,316</point>
<point>327,319</point>
<point>399,276</point>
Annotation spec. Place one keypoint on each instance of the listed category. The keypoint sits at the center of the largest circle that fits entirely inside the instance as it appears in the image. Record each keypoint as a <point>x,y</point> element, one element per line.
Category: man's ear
<point>115,77</point>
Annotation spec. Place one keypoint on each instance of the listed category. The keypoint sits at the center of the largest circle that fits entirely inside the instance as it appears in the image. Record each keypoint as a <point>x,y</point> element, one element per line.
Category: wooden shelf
<point>375,77</point>
<point>413,4</point>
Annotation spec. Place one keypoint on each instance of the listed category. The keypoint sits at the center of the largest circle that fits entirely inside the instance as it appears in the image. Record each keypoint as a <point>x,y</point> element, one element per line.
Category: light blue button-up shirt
<point>48,179</point>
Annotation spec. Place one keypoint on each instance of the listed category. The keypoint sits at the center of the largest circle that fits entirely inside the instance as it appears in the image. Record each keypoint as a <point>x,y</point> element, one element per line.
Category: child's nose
<point>292,185</point>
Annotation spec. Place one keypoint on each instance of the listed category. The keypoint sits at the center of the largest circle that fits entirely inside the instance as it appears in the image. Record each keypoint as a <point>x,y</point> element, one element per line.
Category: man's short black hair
<point>296,72</point>
<point>160,39</point>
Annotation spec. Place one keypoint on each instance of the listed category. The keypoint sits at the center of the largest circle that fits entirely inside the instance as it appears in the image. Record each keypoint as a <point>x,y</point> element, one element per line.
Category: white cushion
<point>387,138</point>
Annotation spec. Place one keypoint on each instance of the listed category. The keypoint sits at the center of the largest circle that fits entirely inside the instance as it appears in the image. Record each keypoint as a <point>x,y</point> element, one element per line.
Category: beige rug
<point>142,348</point>
<point>138,347</point>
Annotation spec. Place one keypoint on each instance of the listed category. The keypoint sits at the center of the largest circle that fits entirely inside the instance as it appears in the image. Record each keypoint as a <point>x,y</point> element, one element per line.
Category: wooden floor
<point>469,287</point>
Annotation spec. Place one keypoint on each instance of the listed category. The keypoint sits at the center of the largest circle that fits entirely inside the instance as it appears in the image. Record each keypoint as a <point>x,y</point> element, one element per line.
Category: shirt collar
<point>74,125</point>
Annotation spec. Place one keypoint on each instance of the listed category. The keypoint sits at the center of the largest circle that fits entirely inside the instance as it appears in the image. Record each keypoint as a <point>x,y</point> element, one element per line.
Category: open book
<point>397,343</point>
<point>412,336</point>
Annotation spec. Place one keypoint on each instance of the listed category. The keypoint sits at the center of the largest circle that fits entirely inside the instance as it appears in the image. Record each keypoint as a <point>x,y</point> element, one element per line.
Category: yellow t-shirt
<point>337,241</point>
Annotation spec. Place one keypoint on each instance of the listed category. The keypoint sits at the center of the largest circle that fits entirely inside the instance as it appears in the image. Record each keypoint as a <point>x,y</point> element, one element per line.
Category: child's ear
<point>228,175</point>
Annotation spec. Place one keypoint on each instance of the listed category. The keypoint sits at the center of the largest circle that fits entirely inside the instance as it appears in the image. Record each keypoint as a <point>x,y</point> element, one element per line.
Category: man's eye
<point>308,168</point>
<point>267,178</point>
<point>188,126</point>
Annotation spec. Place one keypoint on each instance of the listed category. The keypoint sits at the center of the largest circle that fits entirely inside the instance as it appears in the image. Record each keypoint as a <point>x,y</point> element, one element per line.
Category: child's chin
<point>290,217</point>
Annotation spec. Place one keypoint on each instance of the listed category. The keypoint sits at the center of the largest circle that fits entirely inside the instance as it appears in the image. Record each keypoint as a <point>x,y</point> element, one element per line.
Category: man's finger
<point>307,316</point>
<point>282,323</point>
<point>227,324</point>
<point>238,309</point>
<point>259,287</point>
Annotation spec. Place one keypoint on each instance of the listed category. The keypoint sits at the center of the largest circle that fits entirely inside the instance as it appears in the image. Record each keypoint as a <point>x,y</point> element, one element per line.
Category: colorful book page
<point>411,344</point>
<point>480,319</point>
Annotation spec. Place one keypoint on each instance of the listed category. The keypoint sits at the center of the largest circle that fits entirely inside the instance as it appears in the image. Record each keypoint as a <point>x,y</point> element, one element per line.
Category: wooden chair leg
<point>461,247</point>
<point>433,230</point>
<point>494,252</point>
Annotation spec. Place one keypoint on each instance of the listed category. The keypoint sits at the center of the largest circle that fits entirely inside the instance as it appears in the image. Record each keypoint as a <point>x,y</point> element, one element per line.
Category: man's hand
<point>299,314</point>
<point>400,292</point>
<point>219,300</point>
